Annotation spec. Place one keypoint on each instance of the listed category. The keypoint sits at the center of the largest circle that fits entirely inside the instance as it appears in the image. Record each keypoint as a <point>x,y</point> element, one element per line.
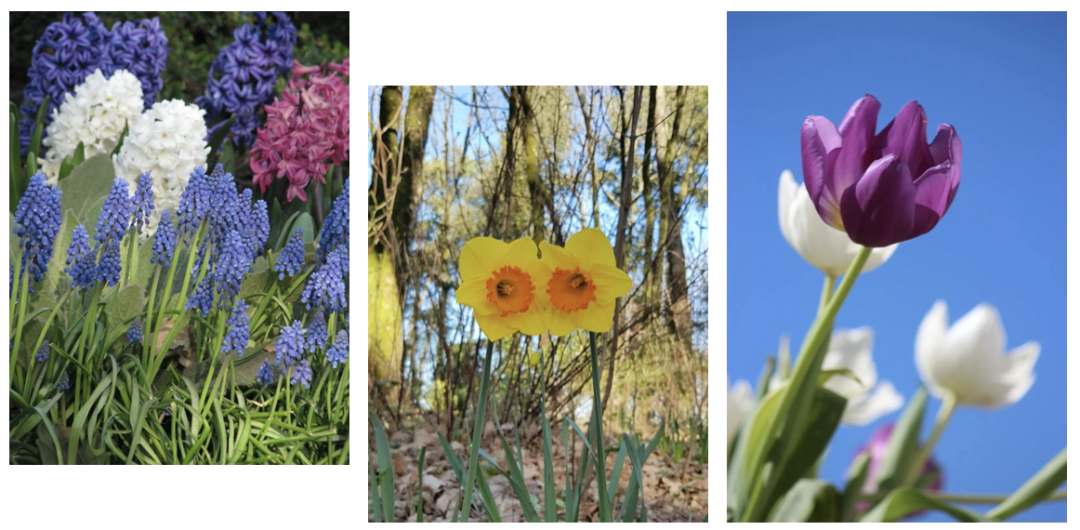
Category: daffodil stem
<point>478,433</point>
<point>923,454</point>
<point>598,443</point>
<point>807,366</point>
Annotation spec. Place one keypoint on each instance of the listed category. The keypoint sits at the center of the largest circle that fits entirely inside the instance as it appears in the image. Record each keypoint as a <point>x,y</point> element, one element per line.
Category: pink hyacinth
<point>306,129</point>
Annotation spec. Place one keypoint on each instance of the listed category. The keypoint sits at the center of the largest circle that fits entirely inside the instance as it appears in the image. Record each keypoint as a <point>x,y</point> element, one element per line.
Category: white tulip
<point>969,361</point>
<point>740,401</point>
<point>867,400</point>
<point>821,245</point>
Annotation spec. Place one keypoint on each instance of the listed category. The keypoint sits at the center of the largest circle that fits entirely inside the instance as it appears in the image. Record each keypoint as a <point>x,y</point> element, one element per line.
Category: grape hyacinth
<point>302,374</point>
<point>292,256</point>
<point>306,129</point>
<point>236,339</point>
<point>164,241</point>
<point>143,201</point>
<point>335,230</point>
<point>203,297</point>
<point>316,333</point>
<point>82,261</point>
<point>37,221</point>
<point>169,141</point>
<point>64,384</point>
<point>242,76</point>
<point>115,214</point>
<point>141,48</point>
<point>94,115</point>
<point>194,204</point>
<point>108,269</point>
<point>326,286</point>
<point>339,351</point>
<point>135,332</point>
<point>42,354</point>
<point>290,345</point>
<point>266,373</point>
<point>69,51</point>
<point>260,225</point>
<point>233,263</point>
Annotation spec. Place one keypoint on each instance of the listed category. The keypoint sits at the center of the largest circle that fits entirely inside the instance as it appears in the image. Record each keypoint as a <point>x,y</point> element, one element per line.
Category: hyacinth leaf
<point>125,305</point>
<point>856,478</point>
<point>56,280</point>
<point>35,138</point>
<point>284,235</point>
<point>825,414</point>
<point>1035,490</point>
<point>905,501</point>
<point>903,444</point>
<point>80,155</point>
<point>84,191</point>
<point>808,501</point>
<point>386,468</point>
<point>216,139</point>
<point>66,166</point>
<point>308,224</point>
<point>120,142</point>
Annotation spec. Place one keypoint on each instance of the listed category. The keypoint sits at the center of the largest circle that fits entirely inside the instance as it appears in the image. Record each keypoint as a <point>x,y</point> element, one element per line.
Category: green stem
<point>969,498</point>
<point>478,431</point>
<point>192,252</point>
<point>148,324</point>
<point>45,330</point>
<point>598,418</point>
<point>826,292</point>
<point>165,300</point>
<point>23,292</point>
<point>805,366</point>
<point>129,273</point>
<point>948,404</point>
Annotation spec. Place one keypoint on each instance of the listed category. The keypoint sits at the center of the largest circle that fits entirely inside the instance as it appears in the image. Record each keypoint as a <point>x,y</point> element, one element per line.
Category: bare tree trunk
<point>532,167</point>
<point>647,193</point>
<point>590,147</point>
<point>681,322</point>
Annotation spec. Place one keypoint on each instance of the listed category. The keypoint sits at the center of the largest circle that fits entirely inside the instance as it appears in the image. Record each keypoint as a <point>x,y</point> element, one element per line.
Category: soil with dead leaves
<point>672,493</point>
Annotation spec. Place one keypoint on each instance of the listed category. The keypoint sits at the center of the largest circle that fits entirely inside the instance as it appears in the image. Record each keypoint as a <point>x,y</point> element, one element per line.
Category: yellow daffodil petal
<point>590,246</point>
<point>556,257</point>
<point>611,282</point>
<point>480,256</point>
<point>530,322</point>
<point>521,253</point>
<point>598,317</point>
<point>494,326</point>
<point>560,323</point>
<point>473,293</point>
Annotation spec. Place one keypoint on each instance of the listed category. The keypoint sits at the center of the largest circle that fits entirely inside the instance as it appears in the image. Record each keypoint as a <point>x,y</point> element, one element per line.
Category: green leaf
<point>386,468</point>
<point>35,136</point>
<point>825,413</point>
<point>486,499</point>
<point>903,443</point>
<point>616,472</point>
<point>80,154</point>
<point>308,224</point>
<point>84,191</point>
<point>120,142</point>
<point>374,503</point>
<point>1035,490</point>
<point>126,304</point>
<point>828,374</point>
<point>748,459</point>
<point>904,501</point>
<point>517,482</point>
<point>808,501</point>
<point>420,485</point>
<point>856,478</point>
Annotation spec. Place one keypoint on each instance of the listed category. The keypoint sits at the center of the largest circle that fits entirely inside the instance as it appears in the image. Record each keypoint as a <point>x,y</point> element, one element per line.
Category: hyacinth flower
<point>882,188</point>
<point>37,221</point>
<point>316,333</point>
<point>233,263</point>
<point>302,374</point>
<point>239,332</point>
<point>335,230</point>
<point>65,54</point>
<point>242,76</point>
<point>583,284</point>
<point>307,129</point>
<point>141,48</point>
<point>292,256</point>
<point>95,115</point>
<point>42,354</point>
<point>929,478</point>
<point>289,347</point>
<point>64,383</point>
<point>82,261</point>
<point>135,331</point>
<point>266,373</point>
<point>339,350</point>
<point>501,283</point>
<point>142,201</point>
<point>164,241</point>
<point>325,287</point>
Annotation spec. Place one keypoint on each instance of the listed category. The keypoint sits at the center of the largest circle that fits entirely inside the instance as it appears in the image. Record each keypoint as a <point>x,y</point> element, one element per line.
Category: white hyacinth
<point>168,140</point>
<point>94,115</point>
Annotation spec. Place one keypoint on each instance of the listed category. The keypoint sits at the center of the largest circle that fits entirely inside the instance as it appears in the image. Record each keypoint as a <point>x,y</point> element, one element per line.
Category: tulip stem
<point>478,432</point>
<point>948,404</point>
<point>826,293</point>
<point>969,498</point>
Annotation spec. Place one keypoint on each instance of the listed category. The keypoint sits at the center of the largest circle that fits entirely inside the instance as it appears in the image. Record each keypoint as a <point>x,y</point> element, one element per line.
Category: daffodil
<point>503,283</point>
<point>584,283</point>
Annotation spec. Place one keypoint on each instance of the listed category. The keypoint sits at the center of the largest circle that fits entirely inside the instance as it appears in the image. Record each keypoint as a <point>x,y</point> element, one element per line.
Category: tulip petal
<point>494,326</point>
<point>1020,371</point>
<point>820,147</point>
<point>598,317</point>
<point>948,148</point>
<point>905,137</point>
<point>786,196</point>
<point>931,199</point>
<point>611,282</point>
<point>857,150</point>
<point>591,246</point>
<point>473,293</point>
<point>928,343</point>
<point>480,256</point>
<point>879,210</point>
<point>869,407</point>
<point>851,350</point>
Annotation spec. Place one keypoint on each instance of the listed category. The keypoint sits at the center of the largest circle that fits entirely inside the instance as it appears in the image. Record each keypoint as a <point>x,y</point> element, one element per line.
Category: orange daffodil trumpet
<point>510,289</point>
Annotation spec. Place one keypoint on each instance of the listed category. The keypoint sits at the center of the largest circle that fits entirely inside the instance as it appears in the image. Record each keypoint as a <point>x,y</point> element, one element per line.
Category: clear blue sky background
<point>1000,79</point>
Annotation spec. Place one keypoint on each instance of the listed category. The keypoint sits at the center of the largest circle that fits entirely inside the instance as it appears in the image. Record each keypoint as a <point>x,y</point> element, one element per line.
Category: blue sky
<point>1000,79</point>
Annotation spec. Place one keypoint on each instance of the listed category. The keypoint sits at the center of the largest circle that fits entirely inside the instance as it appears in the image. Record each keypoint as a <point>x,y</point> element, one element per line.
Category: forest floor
<point>672,493</point>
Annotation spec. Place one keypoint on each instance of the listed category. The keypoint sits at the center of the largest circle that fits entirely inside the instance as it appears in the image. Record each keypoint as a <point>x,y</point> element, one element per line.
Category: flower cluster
<point>95,115</point>
<point>81,262</point>
<point>335,230</point>
<point>306,129</point>
<point>140,47</point>
<point>339,351</point>
<point>42,354</point>
<point>316,333</point>
<point>164,241</point>
<point>242,76</point>
<point>289,347</point>
<point>135,332</point>
<point>37,221</point>
<point>326,286</point>
<point>143,201</point>
<point>115,215</point>
<point>292,256</point>
<point>266,373</point>
<point>64,383</point>
<point>302,374</point>
<point>236,339</point>
<point>168,141</point>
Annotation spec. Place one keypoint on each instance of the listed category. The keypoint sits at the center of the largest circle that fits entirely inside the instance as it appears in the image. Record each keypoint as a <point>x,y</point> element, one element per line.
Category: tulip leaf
<point>825,412</point>
<point>830,373</point>
<point>906,501</point>
<point>1035,490</point>
<point>903,444</point>
<point>766,378</point>
<point>749,453</point>
<point>808,501</point>
<point>856,478</point>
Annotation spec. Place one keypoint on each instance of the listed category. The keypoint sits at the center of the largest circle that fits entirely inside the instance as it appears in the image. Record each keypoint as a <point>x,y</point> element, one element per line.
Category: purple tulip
<point>885,188</point>
<point>876,447</point>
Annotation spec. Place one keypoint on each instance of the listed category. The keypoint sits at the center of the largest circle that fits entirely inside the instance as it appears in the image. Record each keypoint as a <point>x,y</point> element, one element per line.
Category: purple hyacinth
<point>69,51</point>
<point>302,374</point>
<point>143,201</point>
<point>335,230</point>
<point>236,339</point>
<point>141,48</point>
<point>885,188</point>
<point>260,225</point>
<point>242,76</point>
<point>164,241</point>
<point>108,269</point>
<point>266,373</point>
<point>339,351</point>
<point>292,256</point>
<point>194,203</point>
<point>290,345</point>
<point>135,331</point>
<point>42,354</point>
<point>203,297</point>
<point>82,261</point>
<point>115,215</point>
<point>326,286</point>
<point>37,221</point>
<point>316,333</point>
<point>233,263</point>
<point>876,447</point>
